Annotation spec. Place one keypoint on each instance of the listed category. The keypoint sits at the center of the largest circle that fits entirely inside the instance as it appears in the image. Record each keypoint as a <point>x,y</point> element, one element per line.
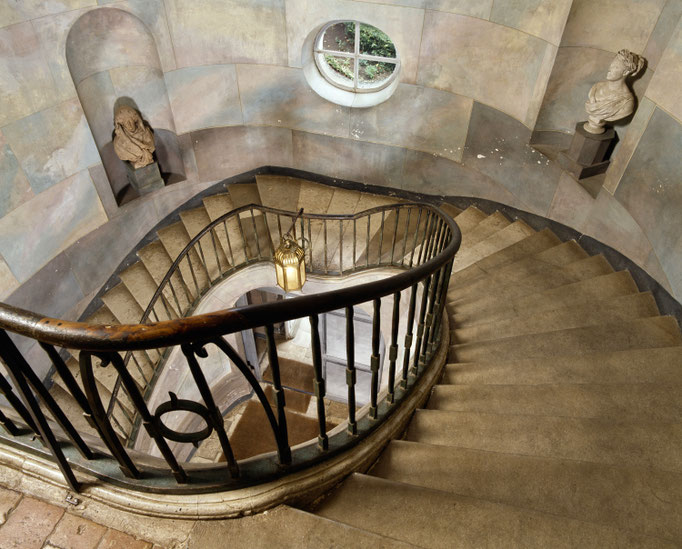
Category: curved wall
<point>473,83</point>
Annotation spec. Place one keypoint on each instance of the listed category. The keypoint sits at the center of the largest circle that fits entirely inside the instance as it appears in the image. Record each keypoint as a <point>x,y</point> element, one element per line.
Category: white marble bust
<point>612,99</point>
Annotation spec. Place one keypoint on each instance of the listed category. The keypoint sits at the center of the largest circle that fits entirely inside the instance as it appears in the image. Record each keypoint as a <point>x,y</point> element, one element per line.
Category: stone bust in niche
<point>612,99</point>
<point>133,139</point>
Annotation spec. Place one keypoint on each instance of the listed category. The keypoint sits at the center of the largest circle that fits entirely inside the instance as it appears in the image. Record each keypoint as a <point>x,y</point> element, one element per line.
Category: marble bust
<point>612,99</point>
<point>133,139</point>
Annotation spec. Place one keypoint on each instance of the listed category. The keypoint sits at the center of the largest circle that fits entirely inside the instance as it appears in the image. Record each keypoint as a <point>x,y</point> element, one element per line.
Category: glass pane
<point>375,42</point>
<point>341,69</point>
<point>373,73</point>
<point>339,37</point>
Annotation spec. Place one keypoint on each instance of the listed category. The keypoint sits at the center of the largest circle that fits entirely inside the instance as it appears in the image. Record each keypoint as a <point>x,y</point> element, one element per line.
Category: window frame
<point>330,75</point>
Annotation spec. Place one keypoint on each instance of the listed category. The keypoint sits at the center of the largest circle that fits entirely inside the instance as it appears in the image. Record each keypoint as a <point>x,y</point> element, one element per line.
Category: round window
<point>356,57</point>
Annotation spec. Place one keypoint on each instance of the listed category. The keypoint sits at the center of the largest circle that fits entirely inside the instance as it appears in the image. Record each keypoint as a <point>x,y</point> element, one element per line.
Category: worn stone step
<point>157,261</point>
<point>533,244</point>
<point>209,248</point>
<point>626,307</point>
<point>544,279</point>
<point>217,205</point>
<point>638,500</point>
<point>279,191</point>
<point>550,259</point>
<point>600,287</point>
<point>649,444</point>
<point>174,238</point>
<point>486,227</point>
<point>642,333</point>
<point>229,233</point>
<point>441,520</point>
<point>72,410</point>
<point>243,194</point>
<point>626,402</point>
<point>142,287</point>
<point>633,366</point>
<point>511,234</point>
<point>123,305</point>
<point>287,528</point>
<point>451,210</point>
<point>468,219</point>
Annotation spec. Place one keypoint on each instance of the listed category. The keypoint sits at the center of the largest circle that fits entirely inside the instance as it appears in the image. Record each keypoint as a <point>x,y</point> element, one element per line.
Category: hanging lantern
<point>290,263</point>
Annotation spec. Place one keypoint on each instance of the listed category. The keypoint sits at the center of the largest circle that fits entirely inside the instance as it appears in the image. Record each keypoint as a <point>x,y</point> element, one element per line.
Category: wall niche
<point>113,60</point>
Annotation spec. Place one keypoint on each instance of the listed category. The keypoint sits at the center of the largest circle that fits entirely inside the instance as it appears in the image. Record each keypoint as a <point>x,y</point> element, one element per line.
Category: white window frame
<point>330,74</point>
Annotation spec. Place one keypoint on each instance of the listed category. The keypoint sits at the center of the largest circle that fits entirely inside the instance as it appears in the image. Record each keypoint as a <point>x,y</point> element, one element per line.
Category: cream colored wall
<point>474,79</point>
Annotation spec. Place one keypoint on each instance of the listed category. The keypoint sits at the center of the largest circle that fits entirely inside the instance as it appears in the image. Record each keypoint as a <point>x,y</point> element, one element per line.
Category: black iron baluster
<point>393,349</point>
<point>405,236</point>
<point>104,427</point>
<point>326,265</point>
<point>279,226</point>
<point>428,225</point>
<point>16,369</point>
<point>381,236</point>
<point>416,237</point>
<point>395,234</point>
<point>247,253</point>
<point>148,420</point>
<point>350,371</point>
<point>9,425</point>
<point>369,222</point>
<point>214,415</point>
<point>268,237</point>
<point>280,403</point>
<point>256,235</point>
<point>69,380</point>
<point>194,276</point>
<point>374,360</point>
<point>215,251</point>
<point>175,295</point>
<point>340,246</point>
<point>310,243</point>
<point>420,325</point>
<point>15,402</point>
<point>355,240</point>
<point>428,321</point>
<point>229,243</point>
<point>322,439</point>
<point>408,334</point>
<point>226,348</point>
<point>440,305</point>
<point>164,302</point>
<point>202,258</point>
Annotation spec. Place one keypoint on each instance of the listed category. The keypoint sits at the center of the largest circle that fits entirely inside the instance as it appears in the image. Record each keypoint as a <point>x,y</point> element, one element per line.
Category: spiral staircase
<point>555,423</point>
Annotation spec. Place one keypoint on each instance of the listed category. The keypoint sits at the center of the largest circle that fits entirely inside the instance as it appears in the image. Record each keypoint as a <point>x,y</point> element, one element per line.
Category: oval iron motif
<point>176,404</point>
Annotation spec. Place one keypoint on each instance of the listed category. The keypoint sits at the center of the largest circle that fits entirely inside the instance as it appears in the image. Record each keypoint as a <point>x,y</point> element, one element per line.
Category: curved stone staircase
<point>556,422</point>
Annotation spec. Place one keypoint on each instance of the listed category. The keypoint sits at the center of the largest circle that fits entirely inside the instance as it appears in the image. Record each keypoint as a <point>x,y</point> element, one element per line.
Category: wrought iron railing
<point>418,240</point>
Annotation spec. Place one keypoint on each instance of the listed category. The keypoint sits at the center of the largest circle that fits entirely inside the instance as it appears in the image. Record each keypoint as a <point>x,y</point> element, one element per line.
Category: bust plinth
<point>587,154</point>
<point>146,179</point>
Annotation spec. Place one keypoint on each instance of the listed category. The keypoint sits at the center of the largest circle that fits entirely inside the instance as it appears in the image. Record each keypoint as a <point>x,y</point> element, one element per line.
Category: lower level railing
<point>418,241</point>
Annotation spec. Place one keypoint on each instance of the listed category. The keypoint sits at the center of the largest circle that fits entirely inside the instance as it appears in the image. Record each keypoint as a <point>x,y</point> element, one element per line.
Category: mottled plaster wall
<point>473,81</point>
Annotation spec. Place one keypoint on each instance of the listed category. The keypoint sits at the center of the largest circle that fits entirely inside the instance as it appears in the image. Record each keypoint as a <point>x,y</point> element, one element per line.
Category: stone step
<point>544,279</point>
<point>638,500</point>
<point>615,441</point>
<point>174,239</point>
<point>633,366</point>
<point>279,191</point>
<point>626,402</point>
<point>555,257</point>
<point>243,194</point>
<point>642,333</point>
<point>142,286</point>
<point>468,219</point>
<point>533,244</point>
<point>287,528</point>
<point>441,520</point>
<point>229,233</point>
<point>217,205</point>
<point>314,197</point>
<point>452,211</point>
<point>210,251</point>
<point>511,234</point>
<point>626,307</point>
<point>584,291</point>
<point>157,262</point>
<point>123,305</point>
<point>72,410</point>
<point>485,228</point>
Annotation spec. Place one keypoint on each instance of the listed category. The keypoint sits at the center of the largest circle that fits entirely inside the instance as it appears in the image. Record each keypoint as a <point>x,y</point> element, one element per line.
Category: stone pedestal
<point>145,180</point>
<point>586,155</point>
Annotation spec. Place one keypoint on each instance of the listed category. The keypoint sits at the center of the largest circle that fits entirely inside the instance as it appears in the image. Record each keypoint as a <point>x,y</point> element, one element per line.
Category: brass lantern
<point>290,263</point>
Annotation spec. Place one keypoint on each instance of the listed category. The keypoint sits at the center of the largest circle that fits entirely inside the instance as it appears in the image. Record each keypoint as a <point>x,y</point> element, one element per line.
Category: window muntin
<point>355,56</point>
